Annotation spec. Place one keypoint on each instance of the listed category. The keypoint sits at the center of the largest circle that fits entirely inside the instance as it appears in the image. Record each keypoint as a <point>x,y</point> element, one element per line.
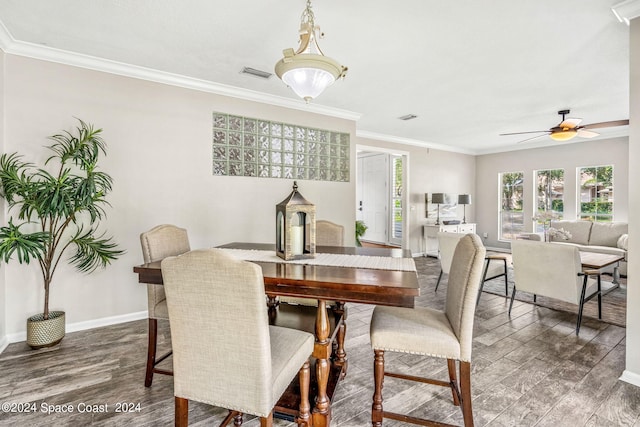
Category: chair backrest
<point>158,243</point>
<point>447,243</point>
<point>163,241</point>
<point>548,269</point>
<point>462,290</point>
<point>329,233</point>
<point>219,330</point>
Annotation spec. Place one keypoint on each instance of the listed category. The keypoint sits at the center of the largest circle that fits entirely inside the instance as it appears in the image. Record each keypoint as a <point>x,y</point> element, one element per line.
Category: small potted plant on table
<point>58,211</point>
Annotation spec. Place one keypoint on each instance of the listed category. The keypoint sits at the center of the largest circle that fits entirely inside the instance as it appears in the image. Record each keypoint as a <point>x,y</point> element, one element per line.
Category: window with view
<point>511,215</point>
<point>596,193</point>
<point>549,194</point>
<point>396,199</point>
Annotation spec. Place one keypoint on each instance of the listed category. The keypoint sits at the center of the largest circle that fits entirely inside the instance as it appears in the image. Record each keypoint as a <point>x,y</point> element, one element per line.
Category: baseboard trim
<point>631,378</point>
<point>80,326</point>
<point>4,342</point>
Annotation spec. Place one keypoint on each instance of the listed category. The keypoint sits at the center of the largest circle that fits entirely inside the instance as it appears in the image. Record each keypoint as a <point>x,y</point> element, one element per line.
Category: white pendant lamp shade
<point>308,83</point>
<point>307,71</point>
<point>308,74</point>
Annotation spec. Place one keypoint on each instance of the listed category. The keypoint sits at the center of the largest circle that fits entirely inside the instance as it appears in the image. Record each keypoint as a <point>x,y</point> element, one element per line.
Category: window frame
<point>537,226</point>
<point>596,216</point>
<point>502,236</point>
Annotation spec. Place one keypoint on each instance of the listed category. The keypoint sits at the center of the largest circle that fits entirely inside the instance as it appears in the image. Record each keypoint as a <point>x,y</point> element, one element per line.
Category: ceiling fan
<point>570,128</point>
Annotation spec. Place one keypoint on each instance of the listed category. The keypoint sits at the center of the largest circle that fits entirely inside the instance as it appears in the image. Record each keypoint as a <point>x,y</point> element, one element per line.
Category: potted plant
<point>361,228</point>
<point>57,211</point>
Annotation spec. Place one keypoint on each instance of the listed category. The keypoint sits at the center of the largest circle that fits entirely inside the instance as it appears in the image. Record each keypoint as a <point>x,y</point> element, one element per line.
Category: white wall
<point>159,155</point>
<point>432,171</point>
<point>632,372</point>
<point>3,333</point>
<point>563,156</point>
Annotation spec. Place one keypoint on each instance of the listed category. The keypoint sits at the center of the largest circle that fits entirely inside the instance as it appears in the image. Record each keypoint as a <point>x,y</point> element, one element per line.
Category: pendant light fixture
<point>307,71</point>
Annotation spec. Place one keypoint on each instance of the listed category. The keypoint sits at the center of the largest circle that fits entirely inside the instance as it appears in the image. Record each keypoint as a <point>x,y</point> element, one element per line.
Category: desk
<point>344,284</point>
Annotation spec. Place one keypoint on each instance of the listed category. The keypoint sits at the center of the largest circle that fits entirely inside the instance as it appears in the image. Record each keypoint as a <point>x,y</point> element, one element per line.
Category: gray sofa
<point>600,237</point>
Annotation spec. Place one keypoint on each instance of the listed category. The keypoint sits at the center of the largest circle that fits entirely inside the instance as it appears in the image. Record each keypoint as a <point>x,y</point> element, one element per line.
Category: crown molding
<point>627,10</point>
<point>6,40</point>
<point>31,50</point>
<point>409,141</point>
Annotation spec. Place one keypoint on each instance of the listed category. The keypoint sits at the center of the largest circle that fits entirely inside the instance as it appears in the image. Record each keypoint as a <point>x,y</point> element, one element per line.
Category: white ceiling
<point>468,69</point>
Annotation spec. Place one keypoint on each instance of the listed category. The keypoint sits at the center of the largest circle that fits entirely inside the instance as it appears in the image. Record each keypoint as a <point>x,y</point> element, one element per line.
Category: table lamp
<point>437,199</point>
<point>464,200</point>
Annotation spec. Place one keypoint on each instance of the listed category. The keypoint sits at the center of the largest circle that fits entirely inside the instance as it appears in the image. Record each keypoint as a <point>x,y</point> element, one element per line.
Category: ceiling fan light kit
<point>307,71</point>
<point>563,135</point>
<point>569,129</point>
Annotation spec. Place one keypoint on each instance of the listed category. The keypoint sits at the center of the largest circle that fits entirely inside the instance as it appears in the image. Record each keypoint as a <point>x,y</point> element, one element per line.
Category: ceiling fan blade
<point>587,133</point>
<point>610,124</point>
<point>520,133</point>
<point>529,139</point>
<point>569,123</point>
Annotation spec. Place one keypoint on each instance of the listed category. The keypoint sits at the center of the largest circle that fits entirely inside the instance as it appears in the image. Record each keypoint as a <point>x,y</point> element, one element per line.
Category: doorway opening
<point>382,195</point>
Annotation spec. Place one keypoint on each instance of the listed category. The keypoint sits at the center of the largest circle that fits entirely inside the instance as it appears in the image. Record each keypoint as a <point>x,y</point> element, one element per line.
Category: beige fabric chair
<point>495,264</point>
<point>554,270</point>
<point>443,334</point>
<point>224,351</point>
<point>327,234</point>
<point>158,243</point>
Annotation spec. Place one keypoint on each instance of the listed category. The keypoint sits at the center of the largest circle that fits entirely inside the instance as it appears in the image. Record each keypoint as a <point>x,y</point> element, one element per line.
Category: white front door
<point>375,197</point>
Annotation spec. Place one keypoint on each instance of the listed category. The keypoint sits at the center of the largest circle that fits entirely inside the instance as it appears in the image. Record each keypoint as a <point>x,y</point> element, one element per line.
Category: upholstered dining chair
<point>495,265</point>
<point>424,331</point>
<point>158,243</point>
<point>327,234</point>
<point>554,270</point>
<point>226,354</point>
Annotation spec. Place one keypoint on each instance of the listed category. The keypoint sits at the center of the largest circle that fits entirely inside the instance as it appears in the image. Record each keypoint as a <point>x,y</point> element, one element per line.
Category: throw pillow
<point>622,241</point>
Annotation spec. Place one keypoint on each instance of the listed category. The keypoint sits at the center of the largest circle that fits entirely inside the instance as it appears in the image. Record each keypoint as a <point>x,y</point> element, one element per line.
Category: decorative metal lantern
<point>295,227</point>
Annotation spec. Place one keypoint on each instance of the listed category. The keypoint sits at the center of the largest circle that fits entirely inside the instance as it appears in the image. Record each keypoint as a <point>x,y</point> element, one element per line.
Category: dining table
<point>365,275</point>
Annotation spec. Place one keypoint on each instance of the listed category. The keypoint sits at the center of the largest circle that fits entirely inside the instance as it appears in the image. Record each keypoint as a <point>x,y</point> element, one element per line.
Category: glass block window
<point>245,146</point>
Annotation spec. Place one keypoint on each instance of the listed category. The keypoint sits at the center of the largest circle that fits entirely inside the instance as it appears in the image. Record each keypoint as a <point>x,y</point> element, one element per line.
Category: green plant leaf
<point>25,245</point>
<point>93,251</point>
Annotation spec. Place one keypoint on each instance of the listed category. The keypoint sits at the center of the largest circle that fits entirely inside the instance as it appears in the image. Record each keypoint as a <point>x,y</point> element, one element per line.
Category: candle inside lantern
<point>297,239</point>
<point>280,231</point>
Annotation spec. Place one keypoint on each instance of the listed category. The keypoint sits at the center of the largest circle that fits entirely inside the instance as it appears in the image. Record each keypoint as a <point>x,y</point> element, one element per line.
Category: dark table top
<point>347,284</point>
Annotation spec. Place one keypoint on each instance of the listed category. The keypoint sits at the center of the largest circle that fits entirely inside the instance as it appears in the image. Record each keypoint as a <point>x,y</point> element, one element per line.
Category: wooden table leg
<point>341,354</point>
<point>322,352</point>
<point>272,305</point>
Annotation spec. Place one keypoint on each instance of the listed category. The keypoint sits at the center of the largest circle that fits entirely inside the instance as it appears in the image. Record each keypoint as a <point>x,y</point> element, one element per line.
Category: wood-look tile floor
<point>528,370</point>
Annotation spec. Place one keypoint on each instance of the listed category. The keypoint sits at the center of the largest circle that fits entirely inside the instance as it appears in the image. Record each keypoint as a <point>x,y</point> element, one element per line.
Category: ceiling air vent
<point>256,73</point>
<point>408,117</point>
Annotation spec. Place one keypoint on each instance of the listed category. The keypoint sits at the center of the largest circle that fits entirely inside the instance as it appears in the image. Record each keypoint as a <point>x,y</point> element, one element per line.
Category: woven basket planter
<point>45,333</point>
